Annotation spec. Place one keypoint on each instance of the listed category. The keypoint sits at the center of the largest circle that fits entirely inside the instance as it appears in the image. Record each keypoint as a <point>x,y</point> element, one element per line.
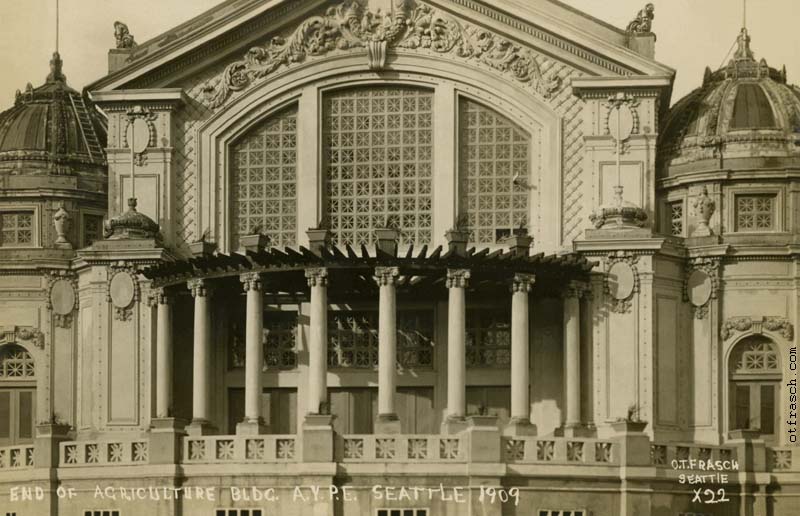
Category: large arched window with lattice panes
<point>754,386</point>
<point>17,395</point>
<point>378,158</point>
<point>264,180</point>
<point>494,169</point>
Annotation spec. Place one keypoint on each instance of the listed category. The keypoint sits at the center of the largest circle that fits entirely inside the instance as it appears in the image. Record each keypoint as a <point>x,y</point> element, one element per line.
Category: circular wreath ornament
<point>699,288</point>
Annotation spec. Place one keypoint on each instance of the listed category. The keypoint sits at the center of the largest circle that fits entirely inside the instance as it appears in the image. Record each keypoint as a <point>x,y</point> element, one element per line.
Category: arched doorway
<point>17,395</point>
<point>754,386</point>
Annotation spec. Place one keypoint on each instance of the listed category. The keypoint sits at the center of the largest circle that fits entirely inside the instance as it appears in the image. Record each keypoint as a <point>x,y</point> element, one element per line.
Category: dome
<point>744,116</point>
<point>52,129</point>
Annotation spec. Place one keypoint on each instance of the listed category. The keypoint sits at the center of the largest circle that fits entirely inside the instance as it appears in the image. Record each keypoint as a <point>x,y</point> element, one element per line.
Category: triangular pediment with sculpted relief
<point>350,26</point>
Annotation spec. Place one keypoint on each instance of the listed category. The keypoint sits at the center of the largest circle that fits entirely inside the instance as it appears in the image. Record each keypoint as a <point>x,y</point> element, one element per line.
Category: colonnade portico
<point>323,270</point>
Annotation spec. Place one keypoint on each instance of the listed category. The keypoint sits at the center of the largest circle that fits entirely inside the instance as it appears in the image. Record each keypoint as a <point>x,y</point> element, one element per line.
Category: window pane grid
<point>16,228</point>
<point>488,338</point>
<point>264,181</point>
<point>494,152</point>
<point>755,212</point>
<point>676,218</point>
<point>16,363</point>
<point>279,341</point>
<point>378,151</point>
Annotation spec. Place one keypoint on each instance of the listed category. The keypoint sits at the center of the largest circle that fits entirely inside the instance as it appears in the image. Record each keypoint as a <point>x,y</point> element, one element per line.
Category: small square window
<point>755,212</point>
<point>92,229</point>
<point>16,229</point>
<point>401,512</point>
<point>675,214</point>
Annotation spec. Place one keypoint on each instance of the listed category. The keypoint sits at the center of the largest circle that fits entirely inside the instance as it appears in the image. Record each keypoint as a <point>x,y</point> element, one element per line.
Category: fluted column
<point>457,281</point>
<point>573,424</point>
<point>201,368</point>
<point>318,340</point>
<point>163,355</point>
<point>386,278</point>
<point>520,355</point>
<point>254,355</point>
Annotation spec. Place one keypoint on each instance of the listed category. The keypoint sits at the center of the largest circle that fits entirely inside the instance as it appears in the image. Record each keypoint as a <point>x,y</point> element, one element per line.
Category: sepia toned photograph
<point>399,257</point>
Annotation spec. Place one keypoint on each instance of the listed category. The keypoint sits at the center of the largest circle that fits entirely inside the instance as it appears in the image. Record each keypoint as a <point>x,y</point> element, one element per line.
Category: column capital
<point>317,277</point>
<point>159,296</point>
<point>458,278</point>
<point>523,283</point>
<point>576,289</point>
<point>198,287</point>
<point>251,281</point>
<point>385,276</point>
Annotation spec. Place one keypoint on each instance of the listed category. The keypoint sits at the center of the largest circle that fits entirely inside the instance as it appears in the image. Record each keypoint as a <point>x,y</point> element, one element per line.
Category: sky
<point>692,34</point>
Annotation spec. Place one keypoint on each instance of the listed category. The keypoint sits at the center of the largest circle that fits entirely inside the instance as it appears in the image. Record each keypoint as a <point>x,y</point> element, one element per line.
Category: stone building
<point>460,247</point>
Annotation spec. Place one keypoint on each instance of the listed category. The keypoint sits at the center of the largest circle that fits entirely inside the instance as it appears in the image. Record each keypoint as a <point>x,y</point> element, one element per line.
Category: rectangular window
<point>100,513</point>
<point>755,212</point>
<point>17,412</point>
<point>767,409</point>
<point>401,512</point>
<point>742,408</point>
<point>488,338</point>
<point>92,229</point>
<point>16,228</point>
<point>239,512</point>
<point>279,341</point>
<point>563,513</point>
<point>675,210</point>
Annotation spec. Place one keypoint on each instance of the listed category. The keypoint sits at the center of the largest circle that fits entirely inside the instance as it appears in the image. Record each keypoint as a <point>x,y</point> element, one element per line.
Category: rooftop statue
<point>643,23</point>
<point>124,37</point>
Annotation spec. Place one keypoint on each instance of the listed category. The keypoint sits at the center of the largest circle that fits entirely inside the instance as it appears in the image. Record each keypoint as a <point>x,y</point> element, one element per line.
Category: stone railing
<point>560,450</point>
<point>401,448</point>
<point>783,459</point>
<point>222,449</point>
<point>662,455</point>
<point>104,453</point>
<point>16,457</point>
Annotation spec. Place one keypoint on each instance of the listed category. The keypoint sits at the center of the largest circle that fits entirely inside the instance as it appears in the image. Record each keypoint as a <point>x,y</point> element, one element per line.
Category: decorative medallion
<point>140,133</point>
<point>413,26</point>
<point>123,292</point>
<point>701,284</point>
<point>621,280</point>
<point>780,325</point>
<point>62,296</point>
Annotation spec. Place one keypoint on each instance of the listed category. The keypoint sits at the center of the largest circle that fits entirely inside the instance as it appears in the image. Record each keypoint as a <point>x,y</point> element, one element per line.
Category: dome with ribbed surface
<point>52,129</point>
<point>745,115</point>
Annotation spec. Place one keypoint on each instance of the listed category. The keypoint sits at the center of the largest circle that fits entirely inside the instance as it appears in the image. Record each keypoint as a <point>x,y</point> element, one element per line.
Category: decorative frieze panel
<point>62,297</point>
<point>701,284</point>
<point>349,26</point>
<point>621,280</point>
<point>779,325</point>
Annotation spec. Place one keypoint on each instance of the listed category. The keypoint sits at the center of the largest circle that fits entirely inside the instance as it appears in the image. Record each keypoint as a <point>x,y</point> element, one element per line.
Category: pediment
<point>243,42</point>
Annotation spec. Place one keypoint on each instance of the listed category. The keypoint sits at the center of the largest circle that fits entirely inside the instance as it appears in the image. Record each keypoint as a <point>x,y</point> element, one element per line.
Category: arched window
<point>493,152</point>
<point>754,388</point>
<point>378,152</point>
<point>17,395</point>
<point>264,181</point>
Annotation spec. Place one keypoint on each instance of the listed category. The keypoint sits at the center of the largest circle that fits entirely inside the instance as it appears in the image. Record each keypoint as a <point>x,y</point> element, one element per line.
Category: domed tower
<point>727,152</point>
<point>53,171</point>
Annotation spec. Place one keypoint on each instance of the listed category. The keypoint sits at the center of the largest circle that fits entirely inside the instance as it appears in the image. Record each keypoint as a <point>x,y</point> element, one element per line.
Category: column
<point>201,368</point>
<point>573,425</point>
<point>388,422</point>
<point>254,356</point>
<point>457,281</point>
<point>318,341</point>
<point>520,423</point>
<point>163,355</point>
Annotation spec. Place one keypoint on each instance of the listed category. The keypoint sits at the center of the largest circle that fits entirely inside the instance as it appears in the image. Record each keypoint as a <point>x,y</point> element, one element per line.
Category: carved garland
<point>16,334</point>
<point>623,305</point>
<point>710,266</point>
<point>414,26</point>
<point>123,301</point>
<point>779,325</point>
<point>62,311</point>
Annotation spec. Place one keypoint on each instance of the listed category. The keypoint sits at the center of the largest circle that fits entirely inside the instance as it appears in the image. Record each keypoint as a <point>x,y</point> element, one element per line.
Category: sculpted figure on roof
<point>643,23</point>
<point>123,35</point>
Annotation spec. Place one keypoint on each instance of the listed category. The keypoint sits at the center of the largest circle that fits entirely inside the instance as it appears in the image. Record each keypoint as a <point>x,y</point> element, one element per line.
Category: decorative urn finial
<point>61,221</point>
<point>704,207</point>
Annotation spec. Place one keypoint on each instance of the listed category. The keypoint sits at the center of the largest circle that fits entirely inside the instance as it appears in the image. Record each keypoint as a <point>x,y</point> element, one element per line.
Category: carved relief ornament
<point>701,284</point>
<point>17,334</point>
<point>145,139</point>
<point>621,281</point>
<point>780,325</point>
<point>62,296</point>
<point>123,291</point>
<point>413,26</point>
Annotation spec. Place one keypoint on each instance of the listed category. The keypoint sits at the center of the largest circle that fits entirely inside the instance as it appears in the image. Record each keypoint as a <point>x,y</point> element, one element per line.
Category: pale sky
<point>692,34</point>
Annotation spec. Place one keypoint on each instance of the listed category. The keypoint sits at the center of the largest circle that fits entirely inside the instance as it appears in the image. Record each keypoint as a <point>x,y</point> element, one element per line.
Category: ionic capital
<point>251,281</point>
<point>198,287</point>
<point>159,296</point>
<point>386,276</point>
<point>317,277</point>
<point>457,278</point>
<point>576,289</point>
<point>523,283</point>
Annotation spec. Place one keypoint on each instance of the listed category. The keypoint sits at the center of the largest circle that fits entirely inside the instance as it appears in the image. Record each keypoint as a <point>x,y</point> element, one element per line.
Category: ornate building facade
<point>400,258</point>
